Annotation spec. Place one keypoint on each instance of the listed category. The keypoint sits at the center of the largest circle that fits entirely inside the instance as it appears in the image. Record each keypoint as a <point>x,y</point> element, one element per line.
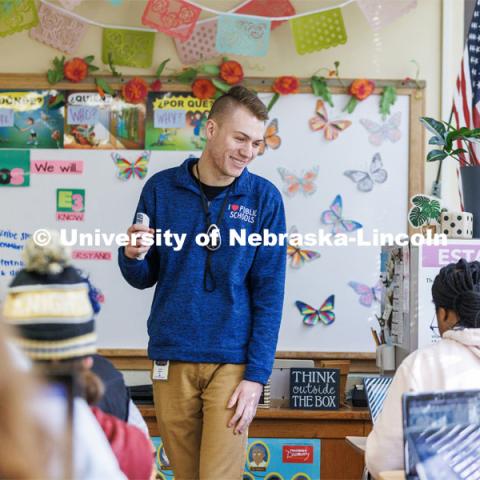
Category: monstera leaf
<point>425,208</point>
<point>416,217</point>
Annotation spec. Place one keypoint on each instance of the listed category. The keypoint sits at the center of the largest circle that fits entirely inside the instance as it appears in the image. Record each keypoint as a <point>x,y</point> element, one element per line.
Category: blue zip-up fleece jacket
<point>239,321</point>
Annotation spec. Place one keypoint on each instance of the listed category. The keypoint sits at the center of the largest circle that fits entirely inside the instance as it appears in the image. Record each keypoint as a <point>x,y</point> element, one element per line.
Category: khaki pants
<point>192,415</point>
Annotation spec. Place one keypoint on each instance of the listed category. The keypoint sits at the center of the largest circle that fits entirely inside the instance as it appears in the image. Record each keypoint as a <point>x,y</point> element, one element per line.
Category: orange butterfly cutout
<point>320,122</point>
<point>271,139</point>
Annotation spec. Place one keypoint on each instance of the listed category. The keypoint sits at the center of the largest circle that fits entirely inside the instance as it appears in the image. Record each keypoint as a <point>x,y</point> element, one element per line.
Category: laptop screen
<point>442,435</point>
<point>376,389</point>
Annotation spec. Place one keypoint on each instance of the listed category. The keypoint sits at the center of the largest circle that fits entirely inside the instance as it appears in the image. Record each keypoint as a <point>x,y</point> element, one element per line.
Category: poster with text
<point>176,121</point>
<point>96,122</point>
<point>27,121</point>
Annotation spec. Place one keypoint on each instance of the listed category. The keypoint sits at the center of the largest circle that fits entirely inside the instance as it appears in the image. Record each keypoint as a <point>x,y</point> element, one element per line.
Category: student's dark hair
<point>88,384</point>
<point>457,288</point>
<point>239,96</point>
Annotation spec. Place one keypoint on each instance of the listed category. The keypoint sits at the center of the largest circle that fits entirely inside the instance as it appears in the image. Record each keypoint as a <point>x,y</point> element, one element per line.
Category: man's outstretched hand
<point>246,397</point>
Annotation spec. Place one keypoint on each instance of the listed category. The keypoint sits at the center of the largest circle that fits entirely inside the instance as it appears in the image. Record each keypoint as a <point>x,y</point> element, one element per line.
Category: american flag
<point>466,108</point>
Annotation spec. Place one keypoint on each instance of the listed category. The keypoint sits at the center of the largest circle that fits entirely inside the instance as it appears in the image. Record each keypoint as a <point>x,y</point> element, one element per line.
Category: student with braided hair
<point>451,364</point>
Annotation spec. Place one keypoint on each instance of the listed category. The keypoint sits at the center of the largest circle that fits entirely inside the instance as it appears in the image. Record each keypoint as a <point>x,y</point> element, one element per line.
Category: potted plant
<point>425,213</point>
<point>458,143</point>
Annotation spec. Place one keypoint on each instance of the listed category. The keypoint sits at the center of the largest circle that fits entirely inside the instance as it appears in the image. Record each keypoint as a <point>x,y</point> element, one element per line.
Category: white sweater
<point>451,364</point>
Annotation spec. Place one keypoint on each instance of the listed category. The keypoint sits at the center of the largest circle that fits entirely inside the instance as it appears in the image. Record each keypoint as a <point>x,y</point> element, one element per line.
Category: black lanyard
<point>213,230</point>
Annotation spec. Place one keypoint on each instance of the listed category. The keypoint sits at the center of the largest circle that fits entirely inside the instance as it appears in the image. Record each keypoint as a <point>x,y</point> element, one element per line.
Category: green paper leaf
<point>161,67</point>
<point>101,83</point>
<point>351,105</point>
<point>51,77</point>
<point>213,70</point>
<point>273,101</point>
<point>59,62</point>
<point>114,71</point>
<point>222,86</point>
<point>89,58</point>
<point>92,68</point>
<point>320,89</point>
<point>187,76</point>
<point>389,97</point>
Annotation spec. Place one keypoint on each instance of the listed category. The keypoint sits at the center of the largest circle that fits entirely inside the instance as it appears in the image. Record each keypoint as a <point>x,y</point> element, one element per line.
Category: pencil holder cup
<point>385,357</point>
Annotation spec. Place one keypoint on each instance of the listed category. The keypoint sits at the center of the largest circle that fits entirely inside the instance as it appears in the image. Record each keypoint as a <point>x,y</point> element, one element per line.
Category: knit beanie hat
<point>51,304</point>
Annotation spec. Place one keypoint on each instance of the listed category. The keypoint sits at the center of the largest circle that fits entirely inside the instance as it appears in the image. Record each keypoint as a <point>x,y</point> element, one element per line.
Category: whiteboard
<point>110,204</point>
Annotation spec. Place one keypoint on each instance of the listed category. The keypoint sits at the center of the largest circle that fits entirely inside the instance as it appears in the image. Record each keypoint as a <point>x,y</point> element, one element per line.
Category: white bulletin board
<point>110,204</point>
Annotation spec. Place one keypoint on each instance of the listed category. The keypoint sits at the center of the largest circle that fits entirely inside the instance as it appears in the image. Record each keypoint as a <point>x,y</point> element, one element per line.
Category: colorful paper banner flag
<point>267,8</point>
<point>243,35</point>
<point>382,12</point>
<point>128,47</point>
<point>173,17</point>
<point>17,15</point>
<point>200,45</point>
<point>319,31</point>
<point>70,4</point>
<point>58,29</point>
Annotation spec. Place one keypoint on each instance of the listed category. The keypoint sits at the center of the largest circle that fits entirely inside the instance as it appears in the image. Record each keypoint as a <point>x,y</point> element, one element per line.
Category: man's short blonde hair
<point>239,96</point>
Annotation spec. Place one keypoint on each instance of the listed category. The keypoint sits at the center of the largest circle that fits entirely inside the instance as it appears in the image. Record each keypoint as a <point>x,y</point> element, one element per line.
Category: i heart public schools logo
<point>245,214</point>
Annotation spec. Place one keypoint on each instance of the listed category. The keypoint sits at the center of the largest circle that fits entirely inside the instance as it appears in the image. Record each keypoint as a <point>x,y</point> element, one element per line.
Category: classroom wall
<point>386,54</point>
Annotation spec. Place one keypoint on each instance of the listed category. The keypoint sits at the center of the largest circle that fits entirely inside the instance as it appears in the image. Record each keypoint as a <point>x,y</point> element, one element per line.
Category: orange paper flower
<point>75,69</point>
<point>135,90</point>
<point>285,85</point>
<point>203,88</point>
<point>361,88</point>
<point>231,72</point>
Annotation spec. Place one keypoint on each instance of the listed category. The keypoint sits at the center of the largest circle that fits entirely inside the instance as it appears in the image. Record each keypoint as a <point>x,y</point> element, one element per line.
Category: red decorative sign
<point>297,454</point>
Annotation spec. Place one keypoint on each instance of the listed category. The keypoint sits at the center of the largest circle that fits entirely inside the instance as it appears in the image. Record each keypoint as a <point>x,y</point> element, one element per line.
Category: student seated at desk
<point>451,364</point>
<point>53,308</point>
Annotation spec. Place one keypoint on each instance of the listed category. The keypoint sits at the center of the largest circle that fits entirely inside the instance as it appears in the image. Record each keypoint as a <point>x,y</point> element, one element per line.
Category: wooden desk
<point>338,459</point>
<point>392,475</point>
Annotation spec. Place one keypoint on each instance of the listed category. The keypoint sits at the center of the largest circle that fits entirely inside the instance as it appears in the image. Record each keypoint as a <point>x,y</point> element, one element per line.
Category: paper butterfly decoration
<point>333,217</point>
<point>298,256</point>
<point>305,183</point>
<point>368,295</point>
<point>127,169</point>
<point>271,138</point>
<point>379,132</point>
<point>366,180</point>
<point>320,121</point>
<point>324,314</point>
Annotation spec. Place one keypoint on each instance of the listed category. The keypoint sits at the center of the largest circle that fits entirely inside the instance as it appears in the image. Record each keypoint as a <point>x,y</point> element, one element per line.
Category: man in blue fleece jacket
<point>217,308</point>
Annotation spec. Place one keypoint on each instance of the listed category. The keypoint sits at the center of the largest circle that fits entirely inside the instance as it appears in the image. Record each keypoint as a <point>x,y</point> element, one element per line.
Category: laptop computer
<point>376,389</point>
<point>442,435</point>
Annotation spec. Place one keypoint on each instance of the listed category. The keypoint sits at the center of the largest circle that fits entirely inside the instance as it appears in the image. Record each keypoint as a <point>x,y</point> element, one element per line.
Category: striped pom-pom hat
<point>51,304</point>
